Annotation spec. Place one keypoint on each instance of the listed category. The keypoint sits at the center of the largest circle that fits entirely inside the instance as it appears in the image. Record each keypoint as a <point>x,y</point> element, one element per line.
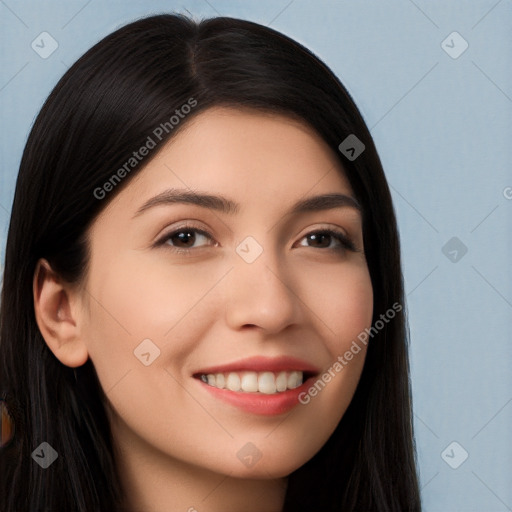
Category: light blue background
<point>443,128</point>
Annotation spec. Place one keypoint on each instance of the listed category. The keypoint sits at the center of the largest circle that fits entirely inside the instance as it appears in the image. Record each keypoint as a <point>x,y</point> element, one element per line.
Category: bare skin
<point>178,444</point>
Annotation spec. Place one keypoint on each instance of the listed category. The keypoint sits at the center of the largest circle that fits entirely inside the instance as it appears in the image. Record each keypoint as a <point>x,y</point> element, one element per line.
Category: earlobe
<point>57,316</point>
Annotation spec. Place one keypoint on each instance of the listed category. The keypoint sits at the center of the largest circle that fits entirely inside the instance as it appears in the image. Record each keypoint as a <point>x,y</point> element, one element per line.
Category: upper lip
<point>261,364</point>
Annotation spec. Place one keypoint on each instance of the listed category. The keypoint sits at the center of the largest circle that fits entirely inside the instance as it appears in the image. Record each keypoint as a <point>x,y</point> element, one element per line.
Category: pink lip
<point>261,364</point>
<point>260,403</point>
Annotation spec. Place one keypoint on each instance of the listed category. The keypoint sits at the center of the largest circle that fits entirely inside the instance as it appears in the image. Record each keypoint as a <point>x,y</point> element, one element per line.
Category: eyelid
<point>172,226</point>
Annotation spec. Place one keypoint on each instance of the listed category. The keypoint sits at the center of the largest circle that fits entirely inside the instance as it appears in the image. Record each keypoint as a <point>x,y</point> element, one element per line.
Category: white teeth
<point>294,380</point>
<point>281,381</point>
<point>267,382</point>
<point>250,382</point>
<point>220,381</point>
<point>233,382</point>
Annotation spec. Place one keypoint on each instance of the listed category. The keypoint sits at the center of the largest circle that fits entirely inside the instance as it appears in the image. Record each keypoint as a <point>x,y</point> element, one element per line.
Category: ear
<point>57,315</point>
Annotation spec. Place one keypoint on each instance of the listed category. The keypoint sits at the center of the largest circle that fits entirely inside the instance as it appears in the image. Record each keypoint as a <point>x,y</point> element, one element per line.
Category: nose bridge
<point>260,288</point>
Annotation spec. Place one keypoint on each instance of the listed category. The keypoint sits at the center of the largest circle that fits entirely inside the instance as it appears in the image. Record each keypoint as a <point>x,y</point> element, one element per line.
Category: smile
<point>266,382</point>
<point>259,385</point>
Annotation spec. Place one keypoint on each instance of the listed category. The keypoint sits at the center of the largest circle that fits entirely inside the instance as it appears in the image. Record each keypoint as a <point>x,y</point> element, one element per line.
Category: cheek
<point>342,299</point>
<point>345,309</point>
<point>132,301</point>
<point>148,299</point>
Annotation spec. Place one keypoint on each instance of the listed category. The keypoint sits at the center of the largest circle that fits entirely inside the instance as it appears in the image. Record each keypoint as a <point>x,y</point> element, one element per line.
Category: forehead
<point>247,155</point>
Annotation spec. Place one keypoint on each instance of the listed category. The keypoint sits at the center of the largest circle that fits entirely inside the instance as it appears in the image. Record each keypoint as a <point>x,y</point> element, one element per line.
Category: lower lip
<point>260,403</point>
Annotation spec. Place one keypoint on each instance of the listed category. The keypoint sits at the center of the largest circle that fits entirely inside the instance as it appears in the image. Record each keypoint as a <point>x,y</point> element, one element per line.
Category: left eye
<point>329,235</point>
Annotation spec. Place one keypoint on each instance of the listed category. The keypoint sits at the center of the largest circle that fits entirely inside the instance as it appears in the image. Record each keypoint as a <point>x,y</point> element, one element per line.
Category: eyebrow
<point>228,206</point>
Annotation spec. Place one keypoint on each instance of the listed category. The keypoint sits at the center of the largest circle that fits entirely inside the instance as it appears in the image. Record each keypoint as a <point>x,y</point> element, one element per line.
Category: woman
<point>257,363</point>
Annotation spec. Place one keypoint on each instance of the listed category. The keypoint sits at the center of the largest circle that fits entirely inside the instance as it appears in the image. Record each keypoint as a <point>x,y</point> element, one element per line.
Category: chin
<point>269,470</point>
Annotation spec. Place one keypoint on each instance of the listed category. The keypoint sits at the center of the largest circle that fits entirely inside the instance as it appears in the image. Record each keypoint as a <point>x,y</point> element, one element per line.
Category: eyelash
<point>345,242</point>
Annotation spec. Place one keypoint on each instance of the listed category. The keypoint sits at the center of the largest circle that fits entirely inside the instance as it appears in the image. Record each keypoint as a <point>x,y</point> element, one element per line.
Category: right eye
<point>182,240</point>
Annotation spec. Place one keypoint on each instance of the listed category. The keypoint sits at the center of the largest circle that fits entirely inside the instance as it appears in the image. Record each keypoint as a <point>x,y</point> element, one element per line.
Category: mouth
<point>259,385</point>
<point>265,382</point>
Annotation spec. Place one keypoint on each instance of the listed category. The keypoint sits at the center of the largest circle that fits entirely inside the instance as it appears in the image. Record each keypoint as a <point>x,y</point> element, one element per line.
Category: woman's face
<point>246,293</point>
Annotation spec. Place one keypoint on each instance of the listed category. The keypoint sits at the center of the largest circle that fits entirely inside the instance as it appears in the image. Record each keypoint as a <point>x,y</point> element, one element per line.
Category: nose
<point>261,294</point>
